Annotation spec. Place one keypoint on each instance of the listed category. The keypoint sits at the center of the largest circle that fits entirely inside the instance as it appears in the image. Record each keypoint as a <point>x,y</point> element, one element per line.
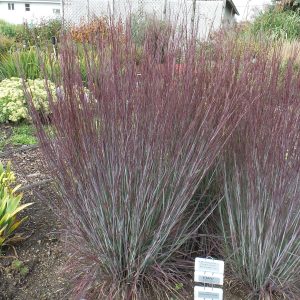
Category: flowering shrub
<point>13,106</point>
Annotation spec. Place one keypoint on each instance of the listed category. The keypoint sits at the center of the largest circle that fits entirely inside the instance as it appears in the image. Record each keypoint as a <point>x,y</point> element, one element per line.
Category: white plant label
<point>205,293</point>
<point>208,277</point>
<point>209,265</point>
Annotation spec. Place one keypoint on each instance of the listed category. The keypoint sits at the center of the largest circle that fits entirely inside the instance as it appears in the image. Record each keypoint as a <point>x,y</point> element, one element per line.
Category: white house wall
<point>37,12</point>
<point>208,15</point>
<point>228,20</point>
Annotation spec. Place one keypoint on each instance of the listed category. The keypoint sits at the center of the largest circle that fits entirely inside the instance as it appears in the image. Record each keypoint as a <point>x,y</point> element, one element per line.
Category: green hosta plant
<point>13,105</point>
<point>10,206</point>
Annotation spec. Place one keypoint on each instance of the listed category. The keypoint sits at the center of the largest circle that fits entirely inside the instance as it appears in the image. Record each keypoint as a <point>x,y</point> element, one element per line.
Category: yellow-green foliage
<point>25,62</point>
<point>10,30</point>
<point>277,24</point>
<point>10,207</point>
<point>290,50</point>
<point>6,43</point>
<point>13,106</point>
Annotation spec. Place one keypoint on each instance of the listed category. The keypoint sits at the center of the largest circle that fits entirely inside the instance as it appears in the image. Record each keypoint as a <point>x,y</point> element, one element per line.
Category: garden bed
<point>143,160</point>
<point>41,253</point>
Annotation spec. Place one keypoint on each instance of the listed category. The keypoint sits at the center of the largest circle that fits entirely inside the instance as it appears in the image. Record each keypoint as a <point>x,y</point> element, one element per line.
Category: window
<point>11,6</point>
<point>27,7</point>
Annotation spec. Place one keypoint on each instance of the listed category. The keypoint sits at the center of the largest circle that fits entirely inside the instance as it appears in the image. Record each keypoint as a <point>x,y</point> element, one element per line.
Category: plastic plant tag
<point>209,265</point>
<point>208,277</point>
<point>207,293</point>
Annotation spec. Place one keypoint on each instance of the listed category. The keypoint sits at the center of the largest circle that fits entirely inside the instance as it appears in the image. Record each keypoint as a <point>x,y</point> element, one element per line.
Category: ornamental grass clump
<point>129,149</point>
<point>261,214</point>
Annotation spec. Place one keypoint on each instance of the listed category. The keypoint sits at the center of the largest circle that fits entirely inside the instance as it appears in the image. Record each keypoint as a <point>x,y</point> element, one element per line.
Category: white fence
<point>207,14</point>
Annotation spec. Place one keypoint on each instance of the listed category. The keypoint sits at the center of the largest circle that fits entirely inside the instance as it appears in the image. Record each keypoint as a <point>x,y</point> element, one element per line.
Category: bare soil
<point>41,253</point>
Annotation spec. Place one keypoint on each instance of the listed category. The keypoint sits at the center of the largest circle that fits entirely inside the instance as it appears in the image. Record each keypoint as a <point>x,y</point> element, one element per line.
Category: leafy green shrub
<point>6,44</point>
<point>30,35</point>
<point>40,33</point>
<point>13,106</point>
<point>277,24</point>
<point>9,207</point>
<point>9,30</point>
